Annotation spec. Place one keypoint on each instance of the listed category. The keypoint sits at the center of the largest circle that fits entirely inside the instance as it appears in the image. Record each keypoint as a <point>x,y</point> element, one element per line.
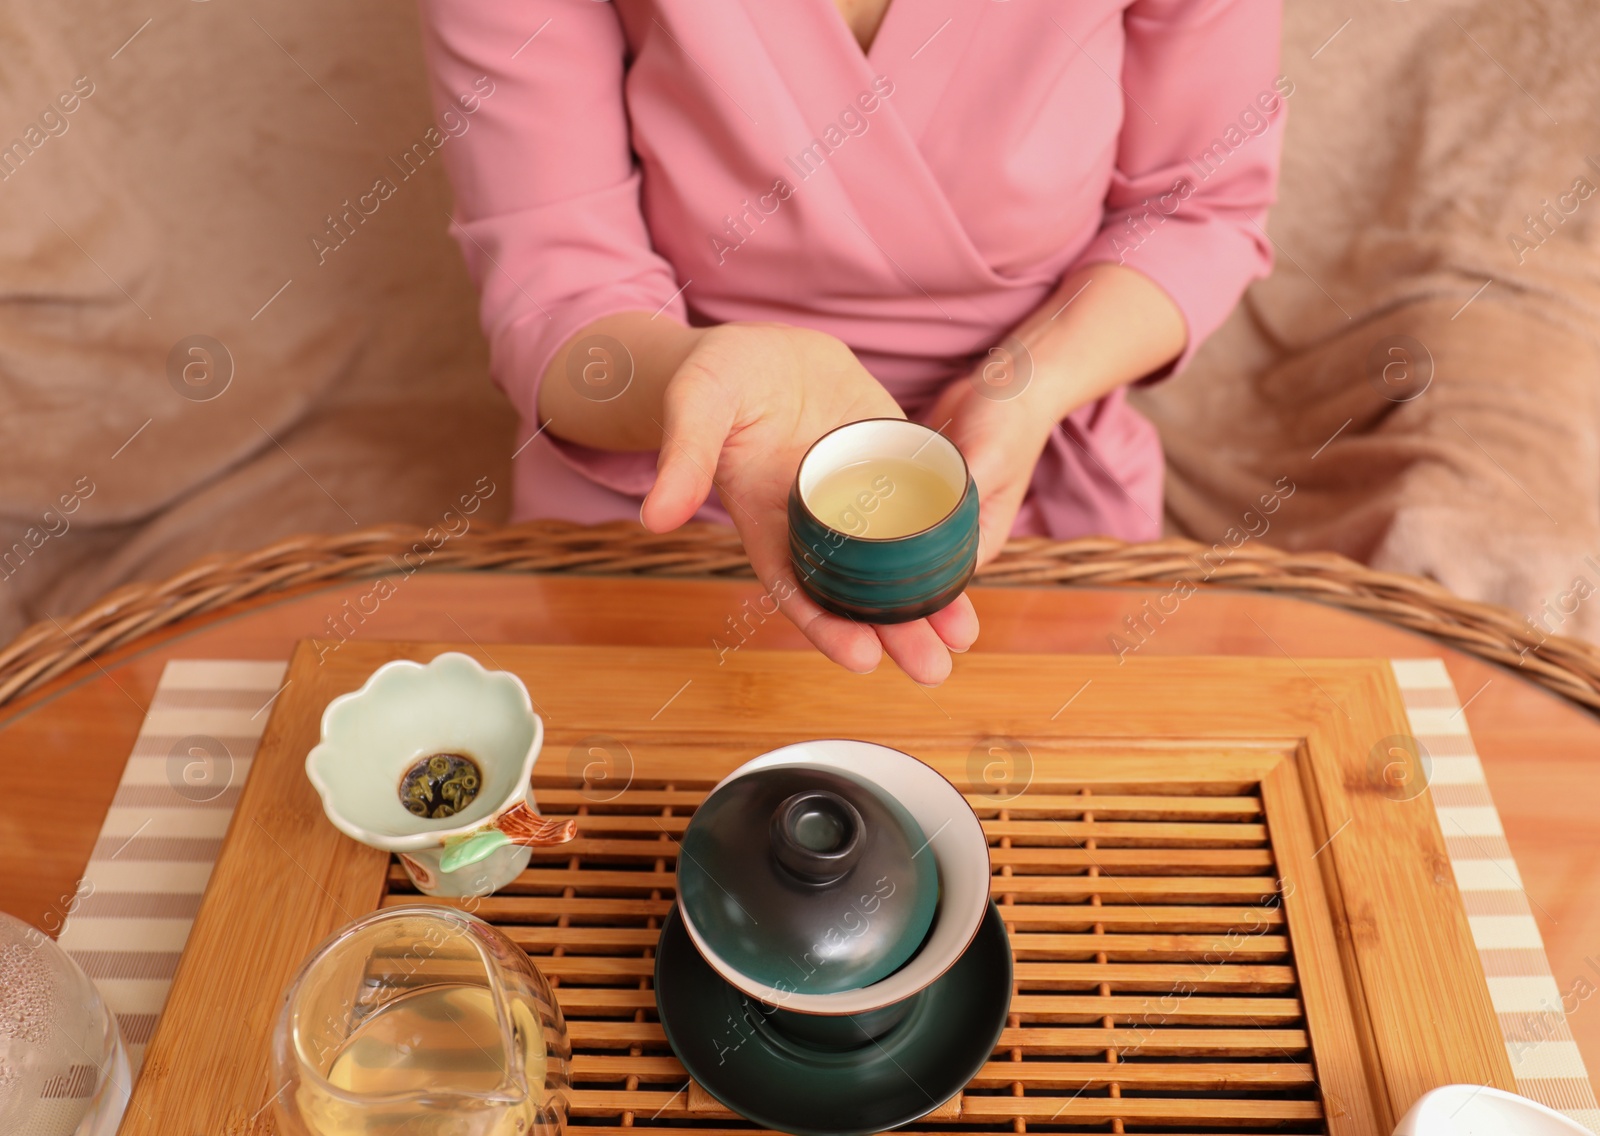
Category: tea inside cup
<point>883,521</point>
<point>882,479</point>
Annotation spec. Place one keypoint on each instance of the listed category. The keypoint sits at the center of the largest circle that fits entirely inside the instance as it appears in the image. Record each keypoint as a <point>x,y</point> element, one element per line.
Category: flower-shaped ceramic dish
<point>407,711</point>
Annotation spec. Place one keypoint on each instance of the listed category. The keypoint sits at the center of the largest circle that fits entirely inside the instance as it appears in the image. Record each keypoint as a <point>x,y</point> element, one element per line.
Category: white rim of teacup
<point>950,464</point>
<point>1434,1112</point>
<point>834,753</point>
<point>417,841</point>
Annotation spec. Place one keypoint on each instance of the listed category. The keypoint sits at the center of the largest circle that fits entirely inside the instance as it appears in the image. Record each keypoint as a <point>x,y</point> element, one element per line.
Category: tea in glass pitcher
<point>422,1021</point>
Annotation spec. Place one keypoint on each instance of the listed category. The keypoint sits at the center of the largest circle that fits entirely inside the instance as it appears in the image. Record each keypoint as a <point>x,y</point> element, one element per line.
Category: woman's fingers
<point>697,422</point>
<point>917,649</point>
<point>1001,490</point>
<point>956,623</point>
<point>850,644</point>
<point>764,529</point>
<point>994,527</point>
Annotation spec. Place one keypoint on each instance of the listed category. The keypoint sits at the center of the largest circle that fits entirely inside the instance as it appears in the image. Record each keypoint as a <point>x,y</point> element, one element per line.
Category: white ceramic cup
<point>407,711</point>
<point>1477,1110</point>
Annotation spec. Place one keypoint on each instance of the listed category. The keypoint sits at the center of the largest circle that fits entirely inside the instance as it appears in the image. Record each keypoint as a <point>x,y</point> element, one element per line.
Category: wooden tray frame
<point>1395,993</point>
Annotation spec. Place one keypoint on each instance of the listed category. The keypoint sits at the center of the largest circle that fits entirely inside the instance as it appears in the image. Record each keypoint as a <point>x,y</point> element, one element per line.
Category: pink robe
<point>720,160</point>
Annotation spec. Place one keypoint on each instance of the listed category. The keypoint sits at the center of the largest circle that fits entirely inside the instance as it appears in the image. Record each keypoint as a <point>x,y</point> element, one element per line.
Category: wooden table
<point>1541,753</point>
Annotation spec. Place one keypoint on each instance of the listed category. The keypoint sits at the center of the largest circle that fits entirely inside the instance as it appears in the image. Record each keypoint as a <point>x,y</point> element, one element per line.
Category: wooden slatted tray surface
<point>1154,978</point>
<point>1220,922</point>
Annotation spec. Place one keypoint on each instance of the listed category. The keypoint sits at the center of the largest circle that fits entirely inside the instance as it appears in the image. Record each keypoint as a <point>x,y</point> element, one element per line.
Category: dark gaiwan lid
<point>807,880</point>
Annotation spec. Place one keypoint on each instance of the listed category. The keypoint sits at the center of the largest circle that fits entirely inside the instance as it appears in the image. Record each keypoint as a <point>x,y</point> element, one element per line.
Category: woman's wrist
<point>1104,327</point>
<point>1057,387</point>
<point>604,386</point>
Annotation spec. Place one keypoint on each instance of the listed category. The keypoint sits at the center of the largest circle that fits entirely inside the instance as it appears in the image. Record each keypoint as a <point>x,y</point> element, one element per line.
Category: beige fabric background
<point>183,197</point>
<point>194,179</point>
<point>1419,140</point>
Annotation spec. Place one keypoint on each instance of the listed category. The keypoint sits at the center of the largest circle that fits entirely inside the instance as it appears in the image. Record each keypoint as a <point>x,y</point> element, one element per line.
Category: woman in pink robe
<point>708,231</point>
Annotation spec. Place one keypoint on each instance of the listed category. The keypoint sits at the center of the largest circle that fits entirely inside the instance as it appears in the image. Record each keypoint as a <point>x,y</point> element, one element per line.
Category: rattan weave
<point>48,648</point>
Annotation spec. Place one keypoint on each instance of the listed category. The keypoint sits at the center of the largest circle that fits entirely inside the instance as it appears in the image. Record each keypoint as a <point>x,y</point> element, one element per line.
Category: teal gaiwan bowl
<point>807,880</point>
<point>848,570</point>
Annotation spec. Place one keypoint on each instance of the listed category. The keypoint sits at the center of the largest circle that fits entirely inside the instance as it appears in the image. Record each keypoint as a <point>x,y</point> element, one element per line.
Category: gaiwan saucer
<point>727,1043</point>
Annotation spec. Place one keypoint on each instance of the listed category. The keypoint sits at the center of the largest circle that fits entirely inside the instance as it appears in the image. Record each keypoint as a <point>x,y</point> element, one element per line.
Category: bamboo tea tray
<point>1223,919</point>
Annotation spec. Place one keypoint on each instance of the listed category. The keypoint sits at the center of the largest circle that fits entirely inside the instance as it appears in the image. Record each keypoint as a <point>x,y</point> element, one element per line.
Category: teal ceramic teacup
<point>883,521</point>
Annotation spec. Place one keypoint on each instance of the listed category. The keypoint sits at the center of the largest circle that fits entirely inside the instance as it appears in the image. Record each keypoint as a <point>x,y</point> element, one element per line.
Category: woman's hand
<point>1001,438</point>
<point>738,415</point>
<point>1106,325</point>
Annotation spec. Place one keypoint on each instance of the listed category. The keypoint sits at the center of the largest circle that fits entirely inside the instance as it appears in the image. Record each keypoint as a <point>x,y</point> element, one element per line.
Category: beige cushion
<point>186,190</point>
<point>190,186</point>
<point>1420,138</point>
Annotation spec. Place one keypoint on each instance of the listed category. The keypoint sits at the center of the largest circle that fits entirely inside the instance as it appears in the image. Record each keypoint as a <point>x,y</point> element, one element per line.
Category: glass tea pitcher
<point>63,1067</point>
<point>420,1021</point>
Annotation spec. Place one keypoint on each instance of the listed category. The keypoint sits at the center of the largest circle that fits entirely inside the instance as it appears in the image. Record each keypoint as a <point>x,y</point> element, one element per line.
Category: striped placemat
<point>1544,1058</point>
<point>149,868</point>
<point>140,892</point>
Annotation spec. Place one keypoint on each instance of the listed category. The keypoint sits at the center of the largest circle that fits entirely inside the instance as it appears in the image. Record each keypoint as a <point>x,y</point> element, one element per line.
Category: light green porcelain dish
<point>407,711</point>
